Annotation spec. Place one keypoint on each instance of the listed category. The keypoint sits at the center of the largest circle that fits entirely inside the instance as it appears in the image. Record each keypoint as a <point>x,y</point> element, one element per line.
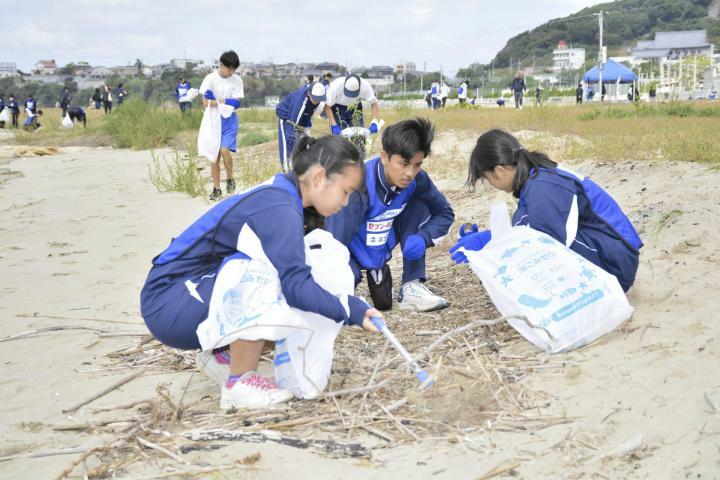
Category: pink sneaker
<point>252,391</point>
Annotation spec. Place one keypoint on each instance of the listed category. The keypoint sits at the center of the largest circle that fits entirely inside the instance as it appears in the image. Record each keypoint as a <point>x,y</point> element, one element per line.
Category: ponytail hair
<point>332,152</point>
<point>497,147</point>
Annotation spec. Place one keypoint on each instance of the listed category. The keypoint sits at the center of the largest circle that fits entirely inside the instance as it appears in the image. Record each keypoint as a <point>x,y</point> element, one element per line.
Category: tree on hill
<point>626,22</point>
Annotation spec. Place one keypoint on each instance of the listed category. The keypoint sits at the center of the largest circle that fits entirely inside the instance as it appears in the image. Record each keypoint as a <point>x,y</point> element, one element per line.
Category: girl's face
<point>501,177</point>
<point>330,194</point>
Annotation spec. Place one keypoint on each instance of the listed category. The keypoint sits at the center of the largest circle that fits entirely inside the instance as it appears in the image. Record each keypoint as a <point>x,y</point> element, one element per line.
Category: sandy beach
<point>80,228</point>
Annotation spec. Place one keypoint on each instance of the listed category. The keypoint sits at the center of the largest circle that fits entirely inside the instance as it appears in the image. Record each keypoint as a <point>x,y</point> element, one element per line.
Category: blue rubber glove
<point>209,95</point>
<point>373,127</point>
<point>414,247</point>
<point>234,102</point>
<point>335,129</point>
<point>473,229</point>
<point>473,241</point>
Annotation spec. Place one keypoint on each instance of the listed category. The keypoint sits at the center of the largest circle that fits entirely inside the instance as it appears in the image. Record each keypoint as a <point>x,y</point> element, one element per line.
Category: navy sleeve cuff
<point>357,310</point>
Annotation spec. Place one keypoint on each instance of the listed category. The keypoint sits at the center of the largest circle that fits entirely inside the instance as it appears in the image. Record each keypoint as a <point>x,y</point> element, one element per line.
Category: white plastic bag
<point>189,96</point>
<point>210,134</point>
<point>5,115</point>
<point>568,301</point>
<point>247,303</point>
<point>303,360</point>
<point>67,122</point>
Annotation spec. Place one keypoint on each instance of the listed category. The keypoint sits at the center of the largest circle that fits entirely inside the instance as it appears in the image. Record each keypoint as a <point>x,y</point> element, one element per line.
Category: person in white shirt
<point>462,92</point>
<point>224,86</point>
<point>444,92</point>
<point>343,105</point>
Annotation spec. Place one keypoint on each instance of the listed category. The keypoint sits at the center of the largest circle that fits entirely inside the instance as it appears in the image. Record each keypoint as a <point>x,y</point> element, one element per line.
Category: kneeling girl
<point>176,297</point>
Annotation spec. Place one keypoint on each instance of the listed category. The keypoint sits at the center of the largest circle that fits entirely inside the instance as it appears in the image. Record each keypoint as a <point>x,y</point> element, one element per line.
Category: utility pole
<point>600,55</point>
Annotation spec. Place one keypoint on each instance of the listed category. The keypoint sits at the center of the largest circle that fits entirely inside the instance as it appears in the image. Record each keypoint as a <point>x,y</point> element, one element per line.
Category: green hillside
<point>626,22</point>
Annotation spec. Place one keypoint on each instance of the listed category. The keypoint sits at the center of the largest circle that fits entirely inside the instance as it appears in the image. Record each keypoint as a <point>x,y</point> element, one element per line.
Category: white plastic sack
<point>67,122</point>
<point>568,301</point>
<point>303,360</point>
<point>5,115</point>
<point>189,96</point>
<point>210,134</point>
<point>247,303</point>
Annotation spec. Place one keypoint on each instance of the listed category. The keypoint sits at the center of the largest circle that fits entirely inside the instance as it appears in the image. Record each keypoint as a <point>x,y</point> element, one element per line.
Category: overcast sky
<point>439,33</point>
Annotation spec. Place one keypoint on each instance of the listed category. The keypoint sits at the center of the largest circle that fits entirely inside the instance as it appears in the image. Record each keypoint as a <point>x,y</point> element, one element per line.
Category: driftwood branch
<point>330,447</point>
<point>45,453</point>
<point>55,328</point>
<point>107,390</point>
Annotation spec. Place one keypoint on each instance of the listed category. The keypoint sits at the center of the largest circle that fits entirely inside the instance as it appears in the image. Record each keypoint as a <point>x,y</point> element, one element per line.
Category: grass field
<point>665,131</point>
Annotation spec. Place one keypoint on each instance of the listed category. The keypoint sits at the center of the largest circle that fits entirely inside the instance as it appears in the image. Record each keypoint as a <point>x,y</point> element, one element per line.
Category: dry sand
<point>79,229</point>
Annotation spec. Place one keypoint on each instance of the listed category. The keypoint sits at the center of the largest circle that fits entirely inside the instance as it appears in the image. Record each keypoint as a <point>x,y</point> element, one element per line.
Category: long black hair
<point>497,147</point>
<point>334,154</point>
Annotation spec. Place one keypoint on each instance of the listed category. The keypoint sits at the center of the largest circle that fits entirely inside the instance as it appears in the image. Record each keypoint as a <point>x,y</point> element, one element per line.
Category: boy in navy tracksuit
<point>572,209</point>
<point>30,105</point>
<point>400,206</point>
<point>14,107</point>
<point>180,91</point>
<point>2,107</point>
<point>65,100</point>
<point>295,115</point>
<point>77,114</point>
<point>518,88</point>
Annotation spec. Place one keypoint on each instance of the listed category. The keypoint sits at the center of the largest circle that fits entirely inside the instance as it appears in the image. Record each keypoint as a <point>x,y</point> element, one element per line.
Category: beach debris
<point>330,447</point>
<point>105,391</point>
<point>30,151</point>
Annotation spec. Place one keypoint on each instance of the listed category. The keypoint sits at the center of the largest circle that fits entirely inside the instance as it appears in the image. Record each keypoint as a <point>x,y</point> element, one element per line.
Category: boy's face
<point>225,71</point>
<point>400,172</point>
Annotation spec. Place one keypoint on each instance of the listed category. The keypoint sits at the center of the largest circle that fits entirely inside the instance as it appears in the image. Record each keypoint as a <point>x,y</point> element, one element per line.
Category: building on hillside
<point>45,67</point>
<point>47,78</point>
<point>287,70</point>
<point>402,68</point>
<point>126,71</point>
<point>331,67</point>
<point>264,69</point>
<point>8,69</point>
<point>566,58</point>
<point>672,45</point>
<point>100,73</point>
<point>82,69</point>
<point>184,63</point>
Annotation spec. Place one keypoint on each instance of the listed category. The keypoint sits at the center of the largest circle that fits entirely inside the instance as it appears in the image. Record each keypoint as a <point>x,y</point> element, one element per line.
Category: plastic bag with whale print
<point>566,300</point>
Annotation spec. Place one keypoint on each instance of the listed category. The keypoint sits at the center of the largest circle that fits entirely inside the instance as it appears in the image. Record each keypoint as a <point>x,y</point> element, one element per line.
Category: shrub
<point>177,175</point>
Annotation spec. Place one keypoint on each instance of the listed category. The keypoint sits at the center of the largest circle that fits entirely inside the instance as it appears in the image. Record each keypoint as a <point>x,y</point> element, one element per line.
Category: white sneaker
<point>208,364</point>
<point>252,391</point>
<point>414,295</point>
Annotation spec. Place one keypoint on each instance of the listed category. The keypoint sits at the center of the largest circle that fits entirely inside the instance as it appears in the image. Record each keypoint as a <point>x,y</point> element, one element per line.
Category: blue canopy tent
<point>613,73</point>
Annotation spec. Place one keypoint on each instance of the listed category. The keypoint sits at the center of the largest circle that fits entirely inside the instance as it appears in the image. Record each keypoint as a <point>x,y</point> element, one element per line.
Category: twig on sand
<point>55,328</point>
<point>45,453</point>
<point>336,449</point>
<point>498,471</point>
<point>86,319</point>
<point>712,402</point>
<point>105,391</point>
<point>162,449</point>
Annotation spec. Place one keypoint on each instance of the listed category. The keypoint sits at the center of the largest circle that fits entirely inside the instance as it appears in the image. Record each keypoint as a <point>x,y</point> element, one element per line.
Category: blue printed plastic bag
<point>568,301</point>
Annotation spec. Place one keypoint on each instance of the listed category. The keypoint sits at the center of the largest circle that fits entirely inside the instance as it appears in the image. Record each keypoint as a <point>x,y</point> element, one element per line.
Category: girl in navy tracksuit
<point>175,298</point>
<point>572,209</point>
